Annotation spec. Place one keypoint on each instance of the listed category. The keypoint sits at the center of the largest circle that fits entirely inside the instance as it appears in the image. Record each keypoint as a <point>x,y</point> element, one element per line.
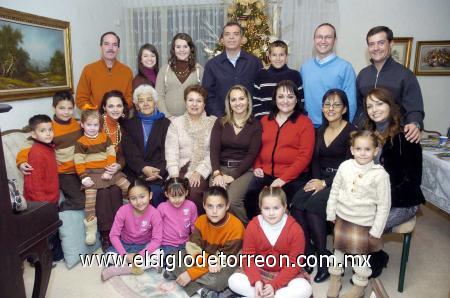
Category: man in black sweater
<point>399,80</point>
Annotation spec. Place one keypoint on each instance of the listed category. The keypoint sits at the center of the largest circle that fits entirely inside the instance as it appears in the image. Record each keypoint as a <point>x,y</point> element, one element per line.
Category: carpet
<point>149,284</point>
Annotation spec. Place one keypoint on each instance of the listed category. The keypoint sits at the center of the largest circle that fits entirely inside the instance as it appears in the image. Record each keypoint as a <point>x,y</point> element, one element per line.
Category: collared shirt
<point>326,59</point>
<point>235,59</point>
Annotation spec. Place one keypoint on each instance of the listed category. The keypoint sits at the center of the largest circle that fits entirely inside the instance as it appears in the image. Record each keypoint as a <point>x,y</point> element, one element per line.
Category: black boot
<point>106,243</point>
<point>378,260</point>
<point>322,269</point>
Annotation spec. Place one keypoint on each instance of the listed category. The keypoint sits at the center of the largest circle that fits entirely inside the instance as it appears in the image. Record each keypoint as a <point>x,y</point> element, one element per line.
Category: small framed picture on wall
<point>432,58</point>
<point>401,50</point>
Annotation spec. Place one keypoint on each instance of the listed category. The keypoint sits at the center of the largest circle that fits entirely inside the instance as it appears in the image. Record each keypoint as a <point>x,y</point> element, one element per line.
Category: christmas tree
<point>251,15</point>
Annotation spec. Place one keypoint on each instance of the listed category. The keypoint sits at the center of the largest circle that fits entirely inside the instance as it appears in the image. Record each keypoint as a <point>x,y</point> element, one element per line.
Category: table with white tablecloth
<point>436,175</point>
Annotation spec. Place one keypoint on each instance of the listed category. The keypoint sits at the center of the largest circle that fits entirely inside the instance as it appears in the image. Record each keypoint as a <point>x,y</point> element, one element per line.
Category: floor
<point>428,271</point>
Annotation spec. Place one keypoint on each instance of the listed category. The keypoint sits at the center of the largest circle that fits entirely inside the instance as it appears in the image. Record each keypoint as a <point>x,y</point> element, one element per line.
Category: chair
<point>406,229</point>
<point>23,235</point>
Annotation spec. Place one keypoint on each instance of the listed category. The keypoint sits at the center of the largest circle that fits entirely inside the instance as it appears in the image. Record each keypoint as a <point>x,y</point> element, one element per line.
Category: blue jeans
<point>168,249</point>
<point>129,247</point>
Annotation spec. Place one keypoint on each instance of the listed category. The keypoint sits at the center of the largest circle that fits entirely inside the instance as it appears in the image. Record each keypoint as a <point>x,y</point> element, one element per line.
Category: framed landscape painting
<point>35,56</point>
<point>401,50</point>
<point>432,58</point>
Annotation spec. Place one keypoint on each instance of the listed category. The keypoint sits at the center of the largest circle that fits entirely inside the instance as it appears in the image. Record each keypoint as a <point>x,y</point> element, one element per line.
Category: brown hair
<point>192,61</point>
<point>385,96</point>
<point>374,136</point>
<point>276,192</point>
<point>152,49</point>
<point>378,29</point>
<point>278,44</point>
<point>196,88</point>
<point>216,191</point>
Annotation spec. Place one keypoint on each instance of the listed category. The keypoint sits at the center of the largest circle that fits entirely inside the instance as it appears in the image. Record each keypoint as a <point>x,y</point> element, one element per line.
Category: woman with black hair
<point>331,149</point>
<point>286,148</point>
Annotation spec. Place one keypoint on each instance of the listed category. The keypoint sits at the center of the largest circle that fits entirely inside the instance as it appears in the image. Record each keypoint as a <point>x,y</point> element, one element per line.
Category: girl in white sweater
<point>359,204</point>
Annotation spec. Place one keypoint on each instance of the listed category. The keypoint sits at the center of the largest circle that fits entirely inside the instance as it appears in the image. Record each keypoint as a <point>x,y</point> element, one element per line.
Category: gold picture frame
<point>432,58</point>
<point>401,50</point>
<point>35,56</point>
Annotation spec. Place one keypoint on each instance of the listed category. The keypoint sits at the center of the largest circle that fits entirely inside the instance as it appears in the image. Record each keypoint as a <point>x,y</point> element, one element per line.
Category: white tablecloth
<point>436,179</point>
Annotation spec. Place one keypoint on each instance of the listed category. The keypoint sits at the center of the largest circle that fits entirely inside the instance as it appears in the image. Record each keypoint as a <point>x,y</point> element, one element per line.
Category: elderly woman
<point>235,142</point>
<point>286,150</point>
<point>331,149</point>
<point>143,142</point>
<point>188,143</point>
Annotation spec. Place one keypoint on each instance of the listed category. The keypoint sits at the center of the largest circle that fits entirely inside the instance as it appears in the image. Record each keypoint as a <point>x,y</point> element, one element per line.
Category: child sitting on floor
<point>93,152</point>
<point>217,231</point>
<point>137,229</point>
<point>359,203</point>
<point>178,215</point>
<point>272,233</point>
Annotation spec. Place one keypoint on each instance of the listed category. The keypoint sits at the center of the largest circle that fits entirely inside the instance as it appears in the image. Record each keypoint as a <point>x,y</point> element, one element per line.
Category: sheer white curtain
<point>156,22</point>
<point>299,18</point>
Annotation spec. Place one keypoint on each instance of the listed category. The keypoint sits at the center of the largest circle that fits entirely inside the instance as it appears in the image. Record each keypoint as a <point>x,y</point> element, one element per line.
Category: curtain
<point>156,22</point>
<point>299,19</point>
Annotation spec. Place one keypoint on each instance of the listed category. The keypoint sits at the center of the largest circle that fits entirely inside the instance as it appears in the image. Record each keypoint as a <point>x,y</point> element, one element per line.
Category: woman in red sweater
<point>269,236</point>
<point>286,149</point>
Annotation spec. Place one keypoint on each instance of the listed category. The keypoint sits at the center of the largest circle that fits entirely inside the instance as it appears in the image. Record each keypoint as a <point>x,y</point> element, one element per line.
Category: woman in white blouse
<point>187,144</point>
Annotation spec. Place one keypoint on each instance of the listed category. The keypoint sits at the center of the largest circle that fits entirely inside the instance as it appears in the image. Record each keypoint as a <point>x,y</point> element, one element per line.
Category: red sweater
<point>291,242</point>
<point>286,151</point>
<point>42,184</point>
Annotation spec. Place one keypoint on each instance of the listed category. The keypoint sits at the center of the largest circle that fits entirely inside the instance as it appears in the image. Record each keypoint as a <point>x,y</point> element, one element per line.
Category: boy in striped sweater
<point>267,79</point>
<point>66,132</point>
<point>217,231</point>
<point>93,152</point>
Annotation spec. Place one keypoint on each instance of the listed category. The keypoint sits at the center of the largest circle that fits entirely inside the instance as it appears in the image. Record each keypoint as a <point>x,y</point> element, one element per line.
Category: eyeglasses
<point>335,106</point>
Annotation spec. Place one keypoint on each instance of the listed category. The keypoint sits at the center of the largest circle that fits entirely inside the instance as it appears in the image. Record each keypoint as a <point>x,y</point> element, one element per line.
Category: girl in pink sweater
<point>270,235</point>
<point>178,215</point>
<point>137,229</point>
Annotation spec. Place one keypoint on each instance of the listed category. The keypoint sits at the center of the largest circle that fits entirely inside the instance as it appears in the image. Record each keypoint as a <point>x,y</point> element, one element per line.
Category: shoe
<point>308,269</point>
<point>378,261</point>
<point>106,243</point>
<point>334,287</point>
<point>91,231</point>
<point>321,276</point>
<point>207,293</point>
<point>355,292</point>
<point>169,275</point>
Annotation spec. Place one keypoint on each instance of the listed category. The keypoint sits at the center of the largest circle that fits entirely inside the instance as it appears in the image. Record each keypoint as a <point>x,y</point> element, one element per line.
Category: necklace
<point>238,126</point>
<point>181,73</point>
<point>117,132</point>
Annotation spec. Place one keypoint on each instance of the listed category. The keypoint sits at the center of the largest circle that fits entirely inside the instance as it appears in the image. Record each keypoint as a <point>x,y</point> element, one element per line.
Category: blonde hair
<point>86,114</point>
<point>276,192</point>
<point>229,117</point>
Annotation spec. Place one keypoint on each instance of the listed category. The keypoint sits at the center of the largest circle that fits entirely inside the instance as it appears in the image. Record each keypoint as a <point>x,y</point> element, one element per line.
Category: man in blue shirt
<point>233,66</point>
<point>324,72</point>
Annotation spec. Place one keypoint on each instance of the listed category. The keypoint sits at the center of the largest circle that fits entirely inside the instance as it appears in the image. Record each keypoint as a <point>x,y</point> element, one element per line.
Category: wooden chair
<point>406,229</point>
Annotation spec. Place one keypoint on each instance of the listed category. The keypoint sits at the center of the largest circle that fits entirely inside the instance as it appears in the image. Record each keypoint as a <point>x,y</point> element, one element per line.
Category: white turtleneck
<point>271,231</point>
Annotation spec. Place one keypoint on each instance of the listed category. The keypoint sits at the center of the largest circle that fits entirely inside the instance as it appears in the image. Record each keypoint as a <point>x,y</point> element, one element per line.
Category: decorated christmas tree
<point>251,15</point>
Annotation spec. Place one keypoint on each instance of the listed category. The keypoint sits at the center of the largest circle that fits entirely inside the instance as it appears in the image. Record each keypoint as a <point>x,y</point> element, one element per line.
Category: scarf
<point>147,124</point>
<point>381,127</point>
<point>150,74</point>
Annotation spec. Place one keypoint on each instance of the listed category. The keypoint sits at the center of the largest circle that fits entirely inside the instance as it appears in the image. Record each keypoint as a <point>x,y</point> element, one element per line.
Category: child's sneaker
<point>207,293</point>
<point>169,275</point>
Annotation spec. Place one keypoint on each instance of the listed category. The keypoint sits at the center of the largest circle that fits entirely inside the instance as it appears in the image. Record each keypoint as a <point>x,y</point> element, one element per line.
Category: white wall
<point>88,21</point>
<point>422,20</point>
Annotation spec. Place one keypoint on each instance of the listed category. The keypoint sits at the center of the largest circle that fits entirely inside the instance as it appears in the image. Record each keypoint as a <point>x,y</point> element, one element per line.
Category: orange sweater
<point>93,153</point>
<point>97,79</point>
<point>226,237</point>
<point>66,135</point>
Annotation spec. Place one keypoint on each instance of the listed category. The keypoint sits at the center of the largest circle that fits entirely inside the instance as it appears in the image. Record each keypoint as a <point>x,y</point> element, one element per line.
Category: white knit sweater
<point>183,146</point>
<point>361,194</point>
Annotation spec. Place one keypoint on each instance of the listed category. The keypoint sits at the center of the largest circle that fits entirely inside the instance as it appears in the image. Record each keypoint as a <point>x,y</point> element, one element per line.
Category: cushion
<point>72,237</point>
<point>12,142</point>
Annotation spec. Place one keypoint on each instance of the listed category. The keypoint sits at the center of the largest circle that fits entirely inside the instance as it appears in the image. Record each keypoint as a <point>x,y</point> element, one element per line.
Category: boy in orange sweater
<point>214,232</point>
<point>66,132</point>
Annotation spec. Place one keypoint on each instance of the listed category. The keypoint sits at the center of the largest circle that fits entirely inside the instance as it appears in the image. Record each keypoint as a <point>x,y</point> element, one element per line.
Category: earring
<point>123,115</point>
